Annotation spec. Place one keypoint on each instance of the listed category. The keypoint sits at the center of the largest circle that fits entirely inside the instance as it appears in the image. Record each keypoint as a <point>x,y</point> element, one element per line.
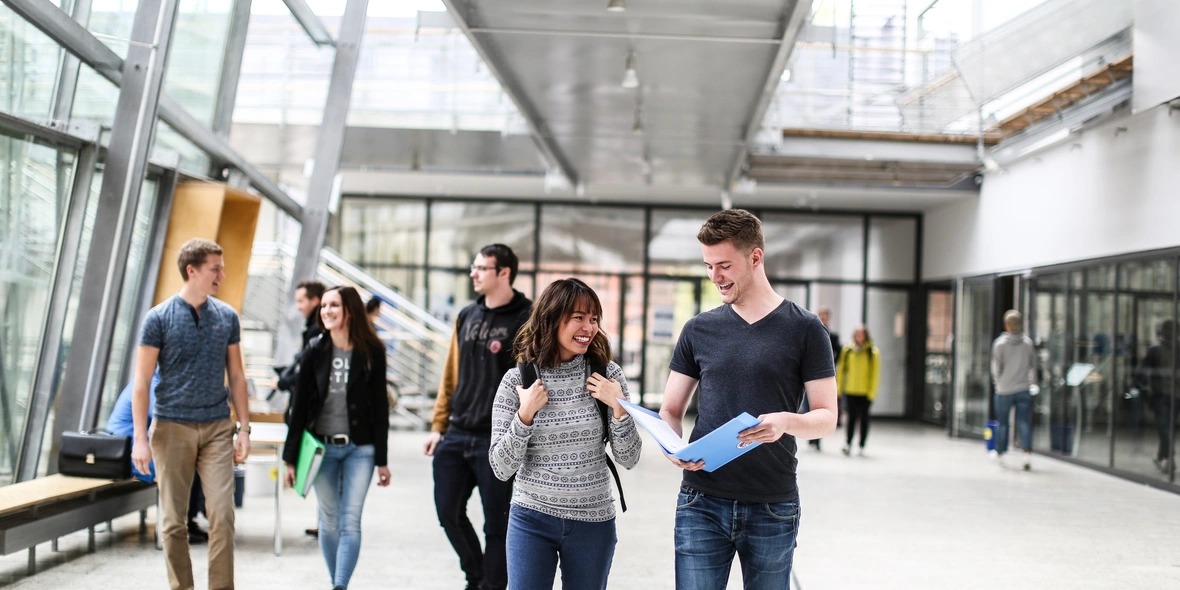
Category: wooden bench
<point>46,508</point>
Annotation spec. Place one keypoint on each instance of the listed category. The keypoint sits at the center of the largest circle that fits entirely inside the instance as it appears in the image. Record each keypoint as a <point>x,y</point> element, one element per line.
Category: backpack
<point>528,376</point>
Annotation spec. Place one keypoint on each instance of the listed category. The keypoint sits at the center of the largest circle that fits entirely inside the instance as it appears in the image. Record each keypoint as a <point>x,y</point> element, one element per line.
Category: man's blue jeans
<point>1023,402</point>
<point>537,541</point>
<point>340,489</point>
<point>709,531</point>
<point>461,465</point>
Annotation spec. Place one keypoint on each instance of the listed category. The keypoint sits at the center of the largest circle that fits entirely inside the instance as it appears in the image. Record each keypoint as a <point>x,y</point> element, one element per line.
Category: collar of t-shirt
<point>192,310</point>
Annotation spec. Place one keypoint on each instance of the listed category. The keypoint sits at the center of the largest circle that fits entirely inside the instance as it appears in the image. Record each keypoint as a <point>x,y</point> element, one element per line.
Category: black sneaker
<point>473,585</point>
<point>313,533</point>
<point>195,534</point>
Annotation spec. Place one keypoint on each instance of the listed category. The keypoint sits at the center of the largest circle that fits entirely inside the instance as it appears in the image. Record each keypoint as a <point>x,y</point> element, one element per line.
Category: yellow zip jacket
<point>858,372</point>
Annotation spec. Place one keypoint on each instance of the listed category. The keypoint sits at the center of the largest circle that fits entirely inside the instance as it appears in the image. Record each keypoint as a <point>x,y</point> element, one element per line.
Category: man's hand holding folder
<point>711,451</point>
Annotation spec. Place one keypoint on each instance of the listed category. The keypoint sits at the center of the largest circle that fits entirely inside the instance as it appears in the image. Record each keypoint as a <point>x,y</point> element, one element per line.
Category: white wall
<point>1106,191</point>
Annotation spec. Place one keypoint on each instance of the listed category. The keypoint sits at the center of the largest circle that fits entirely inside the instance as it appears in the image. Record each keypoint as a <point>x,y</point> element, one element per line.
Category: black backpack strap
<point>605,412</point>
<point>528,374</point>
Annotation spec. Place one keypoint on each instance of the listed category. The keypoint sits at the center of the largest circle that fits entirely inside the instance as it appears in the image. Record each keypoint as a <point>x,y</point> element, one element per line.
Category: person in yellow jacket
<point>858,372</point>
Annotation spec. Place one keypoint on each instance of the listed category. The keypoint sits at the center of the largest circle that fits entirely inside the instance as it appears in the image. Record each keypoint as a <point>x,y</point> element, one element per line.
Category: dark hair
<point>193,253</point>
<point>373,304</point>
<point>537,340</point>
<point>313,289</point>
<point>360,331</point>
<point>505,258</point>
<point>733,225</point>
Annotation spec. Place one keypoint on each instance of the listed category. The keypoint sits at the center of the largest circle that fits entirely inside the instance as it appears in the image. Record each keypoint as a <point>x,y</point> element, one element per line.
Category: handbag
<point>94,454</point>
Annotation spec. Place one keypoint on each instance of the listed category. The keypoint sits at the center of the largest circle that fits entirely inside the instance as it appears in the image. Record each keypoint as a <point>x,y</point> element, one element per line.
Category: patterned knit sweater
<point>560,461</point>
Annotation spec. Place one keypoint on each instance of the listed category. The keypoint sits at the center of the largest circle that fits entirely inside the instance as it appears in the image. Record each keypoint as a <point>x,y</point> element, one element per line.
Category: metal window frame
<point>76,39</point>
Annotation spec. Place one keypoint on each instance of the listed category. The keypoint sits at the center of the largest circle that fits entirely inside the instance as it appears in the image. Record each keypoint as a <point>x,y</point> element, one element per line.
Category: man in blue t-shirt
<point>194,339</point>
<point>761,354</point>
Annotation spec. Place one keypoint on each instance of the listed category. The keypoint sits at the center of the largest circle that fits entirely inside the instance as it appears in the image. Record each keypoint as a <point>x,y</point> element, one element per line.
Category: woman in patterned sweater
<point>550,435</point>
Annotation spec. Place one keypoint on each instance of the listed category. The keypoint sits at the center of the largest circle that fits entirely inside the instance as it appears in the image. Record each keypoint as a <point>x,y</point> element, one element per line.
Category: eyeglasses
<point>478,268</point>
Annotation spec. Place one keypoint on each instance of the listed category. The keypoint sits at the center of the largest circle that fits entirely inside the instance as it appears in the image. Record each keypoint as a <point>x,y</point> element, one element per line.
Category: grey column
<point>48,360</point>
<point>329,147</point>
<point>231,68</point>
<point>126,163</point>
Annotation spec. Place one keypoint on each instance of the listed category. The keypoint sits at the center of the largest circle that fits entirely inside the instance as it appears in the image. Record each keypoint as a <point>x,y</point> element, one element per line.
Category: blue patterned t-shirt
<point>192,358</point>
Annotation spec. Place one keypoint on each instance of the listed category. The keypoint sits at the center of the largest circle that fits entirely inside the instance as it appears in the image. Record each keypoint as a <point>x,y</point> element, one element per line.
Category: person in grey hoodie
<point>1014,370</point>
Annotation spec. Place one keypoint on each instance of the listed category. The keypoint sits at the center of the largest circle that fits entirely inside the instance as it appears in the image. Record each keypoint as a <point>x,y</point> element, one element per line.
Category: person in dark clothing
<point>481,352</point>
<point>307,300</point>
<point>825,317</point>
<point>1155,376</point>
<point>341,401</point>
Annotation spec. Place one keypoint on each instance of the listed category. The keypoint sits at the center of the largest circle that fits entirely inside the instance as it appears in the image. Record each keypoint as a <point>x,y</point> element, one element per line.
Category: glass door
<point>972,385</point>
<point>1144,351</point>
<point>940,319</point>
<point>1048,330</point>
<point>888,313</point>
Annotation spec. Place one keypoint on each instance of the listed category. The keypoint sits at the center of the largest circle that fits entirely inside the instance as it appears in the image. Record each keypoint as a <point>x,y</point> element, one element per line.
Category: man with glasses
<point>480,353</point>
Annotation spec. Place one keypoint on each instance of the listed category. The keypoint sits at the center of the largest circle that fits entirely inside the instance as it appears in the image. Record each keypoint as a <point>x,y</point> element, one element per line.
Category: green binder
<point>311,456</point>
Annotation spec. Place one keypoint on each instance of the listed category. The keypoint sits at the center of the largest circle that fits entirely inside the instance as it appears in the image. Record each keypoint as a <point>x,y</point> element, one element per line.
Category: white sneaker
<point>845,450</point>
<point>993,455</point>
<point>860,452</point>
<point>1000,459</point>
<point>1028,461</point>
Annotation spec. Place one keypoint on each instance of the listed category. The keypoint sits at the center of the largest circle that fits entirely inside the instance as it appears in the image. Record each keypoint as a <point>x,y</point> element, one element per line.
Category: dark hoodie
<point>481,352</point>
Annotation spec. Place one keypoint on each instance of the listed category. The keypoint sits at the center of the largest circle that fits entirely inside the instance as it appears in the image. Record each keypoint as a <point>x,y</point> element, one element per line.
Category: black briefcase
<point>93,454</point>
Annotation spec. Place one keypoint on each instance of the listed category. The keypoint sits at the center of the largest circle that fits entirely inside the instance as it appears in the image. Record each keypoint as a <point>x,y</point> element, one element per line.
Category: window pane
<point>674,248</point>
<point>891,248</point>
<point>813,247</point>
<point>459,230</point>
<point>122,342</point>
<point>30,202</point>
<point>29,59</point>
<point>382,232</point>
<point>595,239</point>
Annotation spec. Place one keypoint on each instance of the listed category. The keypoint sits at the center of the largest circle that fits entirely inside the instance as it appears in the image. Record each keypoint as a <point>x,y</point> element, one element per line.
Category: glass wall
<point>1106,339</point>
<point>644,263</point>
<point>30,222</point>
<point>974,328</point>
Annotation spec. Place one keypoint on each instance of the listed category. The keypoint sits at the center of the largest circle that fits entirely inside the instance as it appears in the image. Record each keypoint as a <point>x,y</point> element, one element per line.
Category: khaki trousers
<point>207,449</point>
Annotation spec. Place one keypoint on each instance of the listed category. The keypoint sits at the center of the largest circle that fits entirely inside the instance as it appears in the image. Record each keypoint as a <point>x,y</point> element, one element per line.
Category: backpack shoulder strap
<point>528,374</point>
<point>605,413</point>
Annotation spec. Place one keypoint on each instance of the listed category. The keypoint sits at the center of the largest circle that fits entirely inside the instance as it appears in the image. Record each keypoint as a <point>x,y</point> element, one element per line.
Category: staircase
<point>416,342</point>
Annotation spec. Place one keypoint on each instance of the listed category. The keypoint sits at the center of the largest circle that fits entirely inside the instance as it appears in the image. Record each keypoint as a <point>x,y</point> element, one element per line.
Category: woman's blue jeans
<point>340,489</point>
<point>536,542</point>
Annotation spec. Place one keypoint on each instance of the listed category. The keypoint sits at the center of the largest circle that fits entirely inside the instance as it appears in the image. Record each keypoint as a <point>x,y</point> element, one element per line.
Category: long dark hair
<point>537,340</point>
<point>360,331</point>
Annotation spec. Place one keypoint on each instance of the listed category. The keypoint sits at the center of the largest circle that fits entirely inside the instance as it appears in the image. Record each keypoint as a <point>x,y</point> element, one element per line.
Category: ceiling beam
<point>537,127</point>
<point>792,22</point>
<point>625,35</point>
<point>310,22</point>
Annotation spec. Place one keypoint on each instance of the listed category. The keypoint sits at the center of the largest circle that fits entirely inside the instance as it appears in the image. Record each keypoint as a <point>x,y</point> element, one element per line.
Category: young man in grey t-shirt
<point>195,340</point>
<point>761,354</point>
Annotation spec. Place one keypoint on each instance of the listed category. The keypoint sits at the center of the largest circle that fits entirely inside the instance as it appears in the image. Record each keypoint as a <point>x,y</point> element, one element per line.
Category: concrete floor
<point>920,511</point>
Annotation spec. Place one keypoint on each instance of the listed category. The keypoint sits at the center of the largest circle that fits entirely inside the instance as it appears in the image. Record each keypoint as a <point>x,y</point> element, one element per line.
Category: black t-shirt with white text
<point>757,368</point>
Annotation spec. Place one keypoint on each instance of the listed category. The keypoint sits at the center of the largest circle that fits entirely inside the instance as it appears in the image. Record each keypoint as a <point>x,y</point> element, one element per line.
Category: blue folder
<point>716,448</point>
